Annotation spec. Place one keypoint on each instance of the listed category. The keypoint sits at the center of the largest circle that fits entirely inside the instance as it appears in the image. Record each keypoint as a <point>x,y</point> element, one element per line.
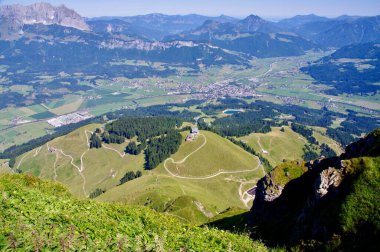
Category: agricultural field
<point>278,80</point>
<point>22,133</point>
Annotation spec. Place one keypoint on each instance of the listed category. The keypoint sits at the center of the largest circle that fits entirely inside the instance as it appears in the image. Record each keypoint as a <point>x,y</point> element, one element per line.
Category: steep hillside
<point>203,178</point>
<point>190,184</point>
<point>170,24</point>
<point>39,215</point>
<point>329,203</point>
<point>120,27</point>
<point>335,32</point>
<point>300,20</point>
<point>277,145</point>
<point>347,31</point>
<point>352,69</point>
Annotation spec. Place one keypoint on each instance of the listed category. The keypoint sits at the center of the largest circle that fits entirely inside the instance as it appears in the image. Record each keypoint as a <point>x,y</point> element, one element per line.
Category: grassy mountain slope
<point>276,145</point>
<point>37,215</point>
<point>102,168</point>
<point>210,180</point>
<point>192,190</point>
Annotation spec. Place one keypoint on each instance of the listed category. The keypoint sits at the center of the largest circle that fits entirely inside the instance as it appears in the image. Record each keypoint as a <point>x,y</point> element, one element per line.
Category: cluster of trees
<point>95,141</point>
<point>142,127</point>
<point>327,151</point>
<point>112,138</point>
<point>156,110</point>
<point>96,193</point>
<point>357,125</point>
<point>135,149</point>
<point>160,148</point>
<point>268,167</point>
<point>242,124</point>
<point>130,176</point>
<point>340,136</point>
<point>309,153</point>
<point>305,132</point>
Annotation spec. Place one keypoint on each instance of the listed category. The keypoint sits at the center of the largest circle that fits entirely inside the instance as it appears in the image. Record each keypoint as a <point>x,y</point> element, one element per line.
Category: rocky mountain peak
<point>254,23</point>
<point>15,16</point>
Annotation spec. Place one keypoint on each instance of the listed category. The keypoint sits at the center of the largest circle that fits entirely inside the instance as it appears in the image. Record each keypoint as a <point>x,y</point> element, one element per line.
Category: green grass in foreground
<point>38,215</point>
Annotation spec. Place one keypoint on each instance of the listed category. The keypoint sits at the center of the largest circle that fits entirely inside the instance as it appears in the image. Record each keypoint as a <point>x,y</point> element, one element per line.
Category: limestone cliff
<point>14,17</point>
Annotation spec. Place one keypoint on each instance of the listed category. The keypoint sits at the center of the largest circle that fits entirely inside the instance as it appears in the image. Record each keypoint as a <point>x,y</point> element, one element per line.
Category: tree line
<point>267,166</point>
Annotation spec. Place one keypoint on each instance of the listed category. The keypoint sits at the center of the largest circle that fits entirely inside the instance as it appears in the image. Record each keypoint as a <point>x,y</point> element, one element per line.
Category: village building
<point>189,138</point>
<point>195,131</point>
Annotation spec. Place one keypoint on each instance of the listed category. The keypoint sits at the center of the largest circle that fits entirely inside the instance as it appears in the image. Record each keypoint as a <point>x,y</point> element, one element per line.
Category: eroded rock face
<point>328,179</point>
<point>267,191</point>
<point>15,16</point>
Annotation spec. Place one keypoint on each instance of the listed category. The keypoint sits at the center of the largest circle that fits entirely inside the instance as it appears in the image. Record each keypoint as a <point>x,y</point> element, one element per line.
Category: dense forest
<point>142,127</point>
<point>160,148</point>
<point>159,137</point>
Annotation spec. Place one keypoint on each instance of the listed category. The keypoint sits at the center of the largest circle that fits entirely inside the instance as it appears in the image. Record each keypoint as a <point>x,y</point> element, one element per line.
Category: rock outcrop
<point>14,17</point>
<point>321,203</point>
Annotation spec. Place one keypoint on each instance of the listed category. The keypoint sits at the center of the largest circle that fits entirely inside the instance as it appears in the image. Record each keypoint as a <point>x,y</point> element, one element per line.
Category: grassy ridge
<point>218,154</point>
<point>37,215</point>
<point>161,191</point>
<point>103,168</point>
<point>277,145</point>
<point>193,201</point>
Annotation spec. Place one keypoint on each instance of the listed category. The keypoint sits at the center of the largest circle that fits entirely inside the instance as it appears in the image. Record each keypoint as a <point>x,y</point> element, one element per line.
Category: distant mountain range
<point>337,32</point>
<point>50,33</point>
<point>253,36</point>
<point>168,24</point>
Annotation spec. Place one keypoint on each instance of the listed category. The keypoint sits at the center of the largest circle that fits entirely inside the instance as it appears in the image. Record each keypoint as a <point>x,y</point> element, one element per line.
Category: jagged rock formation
<point>331,203</point>
<point>14,17</point>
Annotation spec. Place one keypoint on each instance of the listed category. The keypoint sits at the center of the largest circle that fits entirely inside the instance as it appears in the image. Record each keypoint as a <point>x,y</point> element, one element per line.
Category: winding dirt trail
<point>80,169</point>
<point>122,155</point>
<point>22,159</point>
<point>37,151</point>
<point>261,147</point>
<point>209,176</point>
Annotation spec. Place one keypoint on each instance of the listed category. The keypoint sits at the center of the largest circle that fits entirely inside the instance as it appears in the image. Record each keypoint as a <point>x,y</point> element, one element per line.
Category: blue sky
<point>237,8</point>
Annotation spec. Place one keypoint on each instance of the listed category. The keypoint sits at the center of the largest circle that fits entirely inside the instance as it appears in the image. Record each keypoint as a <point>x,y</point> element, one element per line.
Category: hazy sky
<point>237,8</point>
